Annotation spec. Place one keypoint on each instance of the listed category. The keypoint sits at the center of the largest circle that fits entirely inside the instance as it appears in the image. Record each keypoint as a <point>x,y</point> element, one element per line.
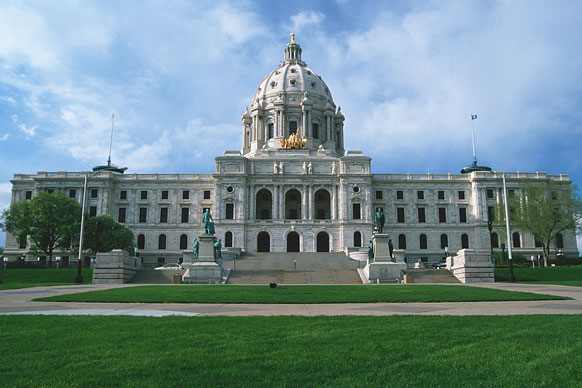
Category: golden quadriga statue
<point>294,141</point>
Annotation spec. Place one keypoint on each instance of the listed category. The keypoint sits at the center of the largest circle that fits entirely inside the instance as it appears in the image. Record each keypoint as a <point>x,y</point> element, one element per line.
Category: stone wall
<point>115,267</point>
<point>471,267</point>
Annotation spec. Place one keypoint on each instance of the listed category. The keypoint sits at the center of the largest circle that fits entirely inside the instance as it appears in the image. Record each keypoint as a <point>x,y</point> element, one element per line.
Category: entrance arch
<point>264,205</point>
<point>293,242</point>
<point>322,242</point>
<point>293,205</point>
<point>263,242</point>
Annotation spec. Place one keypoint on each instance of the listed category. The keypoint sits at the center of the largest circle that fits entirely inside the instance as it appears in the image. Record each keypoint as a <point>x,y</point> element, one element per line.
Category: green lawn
<point>297,294</point>
<point>413,351</point>
<point>566,276</point>
<point>21,278</point>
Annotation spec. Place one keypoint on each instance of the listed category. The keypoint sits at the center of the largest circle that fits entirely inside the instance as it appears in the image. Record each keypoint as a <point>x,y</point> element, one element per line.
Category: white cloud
<point>303,19</point>
<point>8,99</point>
<point>4,137</point>
<point>28,131</point>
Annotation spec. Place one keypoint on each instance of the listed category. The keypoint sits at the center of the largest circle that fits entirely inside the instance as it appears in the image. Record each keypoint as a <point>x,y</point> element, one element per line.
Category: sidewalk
<point>19,302</point>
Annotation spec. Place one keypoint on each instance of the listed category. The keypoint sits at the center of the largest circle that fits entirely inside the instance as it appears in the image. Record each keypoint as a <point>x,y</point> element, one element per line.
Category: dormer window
<point>293,70</point>
<point>293,82</point>
<point>313,85</point>
<point>273,84</point>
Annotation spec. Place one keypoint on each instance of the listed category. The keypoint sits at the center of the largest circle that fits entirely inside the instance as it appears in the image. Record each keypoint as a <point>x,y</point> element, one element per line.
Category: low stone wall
<point>471,267</point>
<point>115,267</point>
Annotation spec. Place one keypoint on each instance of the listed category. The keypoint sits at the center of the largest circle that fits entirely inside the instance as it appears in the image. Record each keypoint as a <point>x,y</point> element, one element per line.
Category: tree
<point>103,234</point>
<point>51,220</point>
<point>544,209</point>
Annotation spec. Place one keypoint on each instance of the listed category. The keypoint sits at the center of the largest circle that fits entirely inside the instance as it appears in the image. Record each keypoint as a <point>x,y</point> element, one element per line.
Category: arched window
<point>464,241</point>
<point>559,241</point>
<point>183,241</point>
<point>516,240</point>
<point>264,205</point>
<point>228,240</point>
<point>141,241</point>
<point>162,241</point>
<point>494,240</point>
<point>401,241</point>
<point>293,205</point>
<point>357,239</point>
<point>423,243</point>
<point>322,205</point>
<point>444,241</point>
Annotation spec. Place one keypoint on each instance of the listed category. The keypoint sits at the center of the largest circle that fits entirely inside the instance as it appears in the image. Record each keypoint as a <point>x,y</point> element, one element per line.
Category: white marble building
<point>316,198</point>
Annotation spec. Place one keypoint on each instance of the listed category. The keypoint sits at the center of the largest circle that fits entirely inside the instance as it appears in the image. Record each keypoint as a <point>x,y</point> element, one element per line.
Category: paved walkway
<point>19,302</point>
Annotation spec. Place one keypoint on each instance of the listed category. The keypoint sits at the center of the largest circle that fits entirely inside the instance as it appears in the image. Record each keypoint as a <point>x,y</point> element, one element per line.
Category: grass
<point>22,278</point>
<point>566,276</point>
<point>114,351</point>
<point>297,294</point>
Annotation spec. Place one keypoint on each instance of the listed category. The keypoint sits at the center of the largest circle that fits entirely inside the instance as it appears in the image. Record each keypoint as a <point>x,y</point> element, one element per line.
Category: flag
<point>473,117</point>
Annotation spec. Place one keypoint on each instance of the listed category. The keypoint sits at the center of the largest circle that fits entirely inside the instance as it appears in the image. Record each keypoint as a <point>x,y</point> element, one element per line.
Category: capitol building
<point>294,187</point>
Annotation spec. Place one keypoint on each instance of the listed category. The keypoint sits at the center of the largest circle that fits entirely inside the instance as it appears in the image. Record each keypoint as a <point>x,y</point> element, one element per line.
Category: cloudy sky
<point>178,74</point>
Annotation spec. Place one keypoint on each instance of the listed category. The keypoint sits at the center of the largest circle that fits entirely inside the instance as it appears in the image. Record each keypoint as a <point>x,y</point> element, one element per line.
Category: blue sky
<point>178,74</point>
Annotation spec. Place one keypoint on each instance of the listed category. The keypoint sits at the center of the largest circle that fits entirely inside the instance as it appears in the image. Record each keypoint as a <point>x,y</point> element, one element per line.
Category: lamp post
<point>490,227</point>
<point>502,252</point>
<point>79,278</point>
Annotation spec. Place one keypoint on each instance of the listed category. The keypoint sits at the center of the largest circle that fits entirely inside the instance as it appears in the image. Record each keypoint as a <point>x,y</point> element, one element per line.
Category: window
<point>144,194</point>
<point>161,261</point>
<point>230,211</point>
<point>28,195</point>
<point>185,194</point>
<point>356,211</point>
<point>516,240</point>
<point>92,211</point>
<point>121,215</point>
<point>356,189</point>
<point>228,240</point>
<point>511,192</point>
<point>50,191</point>
<point>271,130</point>
<point>123,194</point>
<point>422,241</point>
<point>559,241</point>
<point>143,215</point>
<point>489,193</point>
<point>441,194</point>
<point>442,214</point>
<point>464,241</point>
<point>165,194</point>
<point>21,242</point>
<point>463,214</point>
<point>461,194</point>
<point>206,194</point>
<point>163,215</point>
<point>357,239</point>
<point>72,193</point>
<point>494,240</point>
<point>315,130</point>
<point>185,215</point>
<point>401,241</point>
<point>421,215</point>
<point>183,241</point>
<point>420,194</point>
<point>141,241</point>
<point>400,215</point>
<point>94,193</point>
<point>162,241</point>
<point>378,194</point>
<point>399,194</point>
<point>292,127</point>
<point>444,241</point>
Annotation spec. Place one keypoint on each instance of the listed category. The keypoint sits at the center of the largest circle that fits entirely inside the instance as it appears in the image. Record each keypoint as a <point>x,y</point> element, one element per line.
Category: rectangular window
<point>489,193</point>
<point>185,194</point>
<point>185,215</point>
<point>463,214</point>
<point>356,211</point>
<point>163,215</point>
<point>144,194</point>
<point>50,191</point>
<point>123,194</point>
<point>92,211</point>
<point>143,215</point>
<point>400,215</point>
<point>442,214</point>
<point>165,194</point>
<point>72,193</point>
<point>399,194</point>
<point>206,194</point>
<point>292,127</point>
<point>420,194</point>
<point>28,195</point>
<point>121,215</point>
<point>315,129</point>
<point>461,194</point>
<point>378,194</point>
<point>421,215</point>
<point>94,193</point>
<point>230,211</point>
<point>271,130</point>
<point>441,194</point>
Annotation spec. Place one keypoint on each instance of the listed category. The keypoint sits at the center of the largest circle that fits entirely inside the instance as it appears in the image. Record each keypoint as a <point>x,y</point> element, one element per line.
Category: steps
<point>429,275</point>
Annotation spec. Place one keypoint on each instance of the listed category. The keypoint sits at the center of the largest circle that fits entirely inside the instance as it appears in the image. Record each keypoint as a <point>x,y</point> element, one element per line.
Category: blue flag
<point>473,117</point>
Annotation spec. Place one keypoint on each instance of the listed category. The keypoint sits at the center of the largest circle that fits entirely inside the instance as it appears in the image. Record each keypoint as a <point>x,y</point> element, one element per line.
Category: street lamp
<point>511,274</point>
<point>490,227</point>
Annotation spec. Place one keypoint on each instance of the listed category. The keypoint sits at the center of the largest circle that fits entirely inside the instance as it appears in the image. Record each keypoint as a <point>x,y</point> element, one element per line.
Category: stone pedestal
<point>115,267</point>
<point>205,270</point>
<point>471,267</point>
<point>381,250</point>
<point>382,269</point>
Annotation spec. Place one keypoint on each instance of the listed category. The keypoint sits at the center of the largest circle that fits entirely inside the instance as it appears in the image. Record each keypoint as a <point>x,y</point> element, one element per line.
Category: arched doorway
<point>264,205</point>
<point>322,242</point>
<point>322,205</point>
<point>293,205</point>
<point>263,242</point>
<point>293,242</point>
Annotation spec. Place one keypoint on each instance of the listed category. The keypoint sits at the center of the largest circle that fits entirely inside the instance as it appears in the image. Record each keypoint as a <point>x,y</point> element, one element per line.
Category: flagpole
<point>473,137</point>
<point>111,139</point>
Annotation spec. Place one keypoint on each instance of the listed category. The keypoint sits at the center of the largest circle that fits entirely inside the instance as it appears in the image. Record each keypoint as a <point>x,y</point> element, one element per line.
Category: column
<point>275,203</point>
<point>310,203</point>
<point>333,202</point>
<point>281,203</point>
<point>304,129</point>
<point>304,202</point>
<point>253,202</point>
<point>309,123</point>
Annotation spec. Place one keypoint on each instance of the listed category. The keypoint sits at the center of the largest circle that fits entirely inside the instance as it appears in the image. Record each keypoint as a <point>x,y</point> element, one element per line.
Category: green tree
<point>103,234</point>
<point>544,209</point>
<point>50,220</point>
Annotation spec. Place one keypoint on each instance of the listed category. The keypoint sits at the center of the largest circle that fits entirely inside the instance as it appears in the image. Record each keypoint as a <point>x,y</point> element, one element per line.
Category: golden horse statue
<point>293,142</point>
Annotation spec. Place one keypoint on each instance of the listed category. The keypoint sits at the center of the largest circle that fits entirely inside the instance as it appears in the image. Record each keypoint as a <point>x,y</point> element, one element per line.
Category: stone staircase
<point>429,275</point>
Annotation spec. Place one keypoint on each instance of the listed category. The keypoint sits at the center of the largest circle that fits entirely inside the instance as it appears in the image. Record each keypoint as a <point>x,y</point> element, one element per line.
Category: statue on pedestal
<point>208,223</point>
<point>218,249</point>
<point>391,248</point>
<point>379,220</point>
<point>195,247</point>
<point>370,250</point>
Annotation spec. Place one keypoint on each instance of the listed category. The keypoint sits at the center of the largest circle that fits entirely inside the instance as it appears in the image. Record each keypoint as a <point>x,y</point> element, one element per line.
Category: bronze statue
<point>370,250</point>
<point>208,223</point>
<point>196,247</point>
<point>391,248</point>
<point>379,220</point>
<point>218,249</point>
